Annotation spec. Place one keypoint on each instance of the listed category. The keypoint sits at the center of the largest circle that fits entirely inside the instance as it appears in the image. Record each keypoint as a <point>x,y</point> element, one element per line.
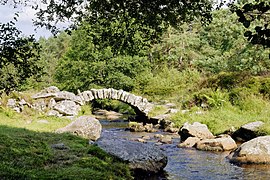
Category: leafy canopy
<point>18,57</point>
<point>255,16</point>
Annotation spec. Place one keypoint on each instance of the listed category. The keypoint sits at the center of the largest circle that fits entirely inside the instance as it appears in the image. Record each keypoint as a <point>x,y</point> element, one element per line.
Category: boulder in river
<point>136,127</point>
<point>189,142</point>
<point>196,129</point>
<point>247,131</point>
<point>141,158</point>
<point>255,151</point>
<point>85,126</point>
<point>221,143</point>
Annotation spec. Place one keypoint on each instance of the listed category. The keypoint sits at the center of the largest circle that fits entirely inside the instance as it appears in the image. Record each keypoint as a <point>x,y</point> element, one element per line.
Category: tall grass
<point>221,101</point>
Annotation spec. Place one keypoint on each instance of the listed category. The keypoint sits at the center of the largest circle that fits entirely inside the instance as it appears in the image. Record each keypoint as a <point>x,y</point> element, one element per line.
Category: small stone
<point>11,103</point>
<point>141,140</point>
<point>171,130</point>
<point>43,121</point>
<point>136,127</point>
<point>189,142</point>
<point>54,113</point>
<point>158,136</point>
<point>22,102</point>
<point>166,139</point>
<point>146,137</point>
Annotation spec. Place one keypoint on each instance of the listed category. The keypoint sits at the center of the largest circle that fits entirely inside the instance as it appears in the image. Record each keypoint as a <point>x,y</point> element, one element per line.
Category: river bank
<point>189,163</point>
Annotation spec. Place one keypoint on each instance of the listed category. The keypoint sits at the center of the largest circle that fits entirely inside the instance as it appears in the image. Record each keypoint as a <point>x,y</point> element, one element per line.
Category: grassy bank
<point>222,101</point>
<point>41,154</point>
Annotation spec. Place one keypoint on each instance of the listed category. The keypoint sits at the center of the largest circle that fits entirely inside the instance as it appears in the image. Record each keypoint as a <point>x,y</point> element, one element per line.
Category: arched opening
<point>139,104</point>
<point>122,109</point>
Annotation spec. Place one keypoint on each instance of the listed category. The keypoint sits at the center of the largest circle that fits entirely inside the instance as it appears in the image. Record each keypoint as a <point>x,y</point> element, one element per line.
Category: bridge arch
<point>141,105</point>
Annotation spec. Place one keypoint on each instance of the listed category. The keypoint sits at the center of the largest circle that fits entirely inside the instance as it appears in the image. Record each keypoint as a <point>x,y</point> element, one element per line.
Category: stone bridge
<point>138,103</point>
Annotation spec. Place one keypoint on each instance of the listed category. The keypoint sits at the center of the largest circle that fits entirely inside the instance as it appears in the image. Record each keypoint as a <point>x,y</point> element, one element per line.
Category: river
<point>189,163</point>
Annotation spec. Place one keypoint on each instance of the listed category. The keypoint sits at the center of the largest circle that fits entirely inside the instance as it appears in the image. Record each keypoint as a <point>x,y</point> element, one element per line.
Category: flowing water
<point>186,164</point>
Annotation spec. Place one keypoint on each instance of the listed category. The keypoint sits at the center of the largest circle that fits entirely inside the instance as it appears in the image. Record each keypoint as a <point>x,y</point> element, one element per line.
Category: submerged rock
<point>145,158</point>
<point>255,151</point>
<point>85,126</point>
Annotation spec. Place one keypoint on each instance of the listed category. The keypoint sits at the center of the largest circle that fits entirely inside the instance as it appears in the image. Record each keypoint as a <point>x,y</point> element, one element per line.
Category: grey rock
<point>47,92</point>
<point>64,95</point>
<point>11,103</point>
<point>51,89</point>
<point>159,118</point>
<point>39,105</point>
<point>247,131</point>
<point>84,126</point>
<point>255,151</point>
<point>22,102</point>
<point>166,139</point>
<point>221,143</point>
<point>67,108</point>
<point>158,135</point>
<point>189,142</point>
<point>139,156</point>
<point>171,130</point>
<point>51,103</point>
<point>54,113</point>
<point>165,124</point>
<point>172,111</point>
<point>196,129</point>
<point>149,128</point>
<point>136,127</point>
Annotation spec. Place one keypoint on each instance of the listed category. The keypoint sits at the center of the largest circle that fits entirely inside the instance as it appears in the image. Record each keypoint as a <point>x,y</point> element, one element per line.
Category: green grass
<point>27,154</point>
<point>223,118</point>
<point>31,120</point>
<point>229,99</point>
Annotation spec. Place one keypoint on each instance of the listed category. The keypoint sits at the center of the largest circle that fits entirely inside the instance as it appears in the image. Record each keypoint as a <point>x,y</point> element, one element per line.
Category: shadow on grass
<point>26,154</point>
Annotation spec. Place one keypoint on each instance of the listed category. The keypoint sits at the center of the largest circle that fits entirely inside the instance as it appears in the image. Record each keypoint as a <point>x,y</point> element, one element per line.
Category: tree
<point>154,14</point>
<point>219,46</point>
<point>88,65</point>
<point>18,57</point>
<point>255,16</point>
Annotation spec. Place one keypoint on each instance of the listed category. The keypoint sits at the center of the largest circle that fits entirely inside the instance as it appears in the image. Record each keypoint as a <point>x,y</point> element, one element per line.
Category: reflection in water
<point>186,164</point>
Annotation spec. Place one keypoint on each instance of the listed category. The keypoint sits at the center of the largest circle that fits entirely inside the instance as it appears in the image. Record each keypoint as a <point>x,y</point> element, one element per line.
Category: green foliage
<point>215,48</point>
<point>19,58</point>
<point>87,65</point>
<point>169,81</point>
<point>224,48</point>
<point>156,15</point>
<point>254,15</point>
<point>113,105</point>
<point>224,118</point>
